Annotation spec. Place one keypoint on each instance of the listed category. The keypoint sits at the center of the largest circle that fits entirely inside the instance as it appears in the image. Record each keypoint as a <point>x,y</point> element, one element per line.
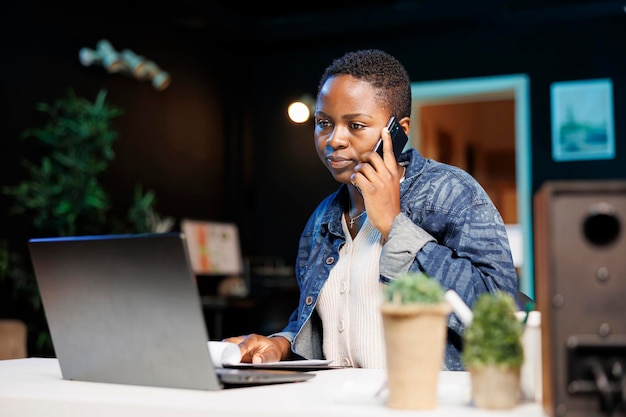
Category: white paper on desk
<point>227,353</point>
<point>224,353</point>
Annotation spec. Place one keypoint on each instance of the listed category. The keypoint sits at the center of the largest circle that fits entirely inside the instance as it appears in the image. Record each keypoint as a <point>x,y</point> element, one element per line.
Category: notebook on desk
<point>125,309</point>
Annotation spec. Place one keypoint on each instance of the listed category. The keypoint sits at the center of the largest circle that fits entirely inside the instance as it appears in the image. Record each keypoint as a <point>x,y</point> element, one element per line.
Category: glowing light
<point>298,112</point>
<point>301,110</point>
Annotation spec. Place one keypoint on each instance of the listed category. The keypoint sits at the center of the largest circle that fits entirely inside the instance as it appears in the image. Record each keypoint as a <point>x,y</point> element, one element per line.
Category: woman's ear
<point>405,122</point>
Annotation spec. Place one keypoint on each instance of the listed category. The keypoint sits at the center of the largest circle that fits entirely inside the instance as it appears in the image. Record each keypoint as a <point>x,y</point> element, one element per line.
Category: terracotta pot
<point>13,335</point>
<point>415,337</point>
<point>494,388</point>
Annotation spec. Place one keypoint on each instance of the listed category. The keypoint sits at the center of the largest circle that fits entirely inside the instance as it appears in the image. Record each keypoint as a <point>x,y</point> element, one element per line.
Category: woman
<point>387,217</point>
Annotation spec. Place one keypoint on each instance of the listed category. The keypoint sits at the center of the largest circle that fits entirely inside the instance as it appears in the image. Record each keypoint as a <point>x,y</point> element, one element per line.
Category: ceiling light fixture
<point>126,62</point>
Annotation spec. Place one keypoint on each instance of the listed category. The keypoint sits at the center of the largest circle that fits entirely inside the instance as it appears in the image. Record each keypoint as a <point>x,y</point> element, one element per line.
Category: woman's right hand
<point>258,349</point>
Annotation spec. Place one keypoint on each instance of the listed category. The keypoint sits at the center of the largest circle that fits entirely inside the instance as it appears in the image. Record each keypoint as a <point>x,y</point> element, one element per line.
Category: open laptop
<point>125,309</point>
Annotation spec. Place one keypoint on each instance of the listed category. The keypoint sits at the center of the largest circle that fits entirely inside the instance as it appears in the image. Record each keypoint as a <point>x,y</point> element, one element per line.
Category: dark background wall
<point>217,144</point>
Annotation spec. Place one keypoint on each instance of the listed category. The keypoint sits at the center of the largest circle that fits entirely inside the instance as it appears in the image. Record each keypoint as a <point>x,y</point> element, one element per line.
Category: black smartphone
<point>398,138</point>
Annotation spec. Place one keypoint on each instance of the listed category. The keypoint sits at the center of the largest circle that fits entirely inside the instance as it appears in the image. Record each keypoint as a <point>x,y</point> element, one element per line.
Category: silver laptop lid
<point>124,309</point>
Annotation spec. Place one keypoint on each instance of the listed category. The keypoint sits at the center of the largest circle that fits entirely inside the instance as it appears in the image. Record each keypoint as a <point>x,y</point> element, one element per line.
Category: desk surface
<point>34,387</point>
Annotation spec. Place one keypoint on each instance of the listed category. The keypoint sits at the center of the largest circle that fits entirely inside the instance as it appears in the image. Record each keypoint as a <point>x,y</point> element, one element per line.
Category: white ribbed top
<point>349,303</point>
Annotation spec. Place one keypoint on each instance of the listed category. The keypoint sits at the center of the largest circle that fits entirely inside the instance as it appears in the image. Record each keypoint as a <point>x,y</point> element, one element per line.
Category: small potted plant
<point>414,313</point>
<point>493,351</point>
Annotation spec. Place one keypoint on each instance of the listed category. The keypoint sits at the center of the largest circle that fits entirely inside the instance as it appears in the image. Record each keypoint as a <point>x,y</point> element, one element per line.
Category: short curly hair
<point>383,71</point>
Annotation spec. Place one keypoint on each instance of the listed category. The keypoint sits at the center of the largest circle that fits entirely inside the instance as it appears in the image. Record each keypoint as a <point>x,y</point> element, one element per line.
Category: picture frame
<point>582,120</point>
<point>213,247</point>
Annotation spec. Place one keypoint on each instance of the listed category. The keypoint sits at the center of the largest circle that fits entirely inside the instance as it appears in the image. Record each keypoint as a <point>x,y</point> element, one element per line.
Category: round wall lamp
<point>301,110</point>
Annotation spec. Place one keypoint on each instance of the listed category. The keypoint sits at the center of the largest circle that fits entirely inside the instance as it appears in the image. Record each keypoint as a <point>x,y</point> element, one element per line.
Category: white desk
<point>34,387</point>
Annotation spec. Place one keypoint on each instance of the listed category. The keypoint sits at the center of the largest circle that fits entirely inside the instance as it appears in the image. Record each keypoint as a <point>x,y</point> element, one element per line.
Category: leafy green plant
<point>494,336</point>
<point>63,191</point>
<point>413,288</point>
<point>61,195</point>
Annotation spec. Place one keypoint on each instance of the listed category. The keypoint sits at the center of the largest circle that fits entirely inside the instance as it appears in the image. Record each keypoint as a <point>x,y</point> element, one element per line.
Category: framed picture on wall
<point>582,120</point>
<point>213,247</point>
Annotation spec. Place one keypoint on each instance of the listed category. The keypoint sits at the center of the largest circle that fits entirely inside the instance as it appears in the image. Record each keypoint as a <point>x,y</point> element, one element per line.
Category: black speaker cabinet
<point>580,290</point>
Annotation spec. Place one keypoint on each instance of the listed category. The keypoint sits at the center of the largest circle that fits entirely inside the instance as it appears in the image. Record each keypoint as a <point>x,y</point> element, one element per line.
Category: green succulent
<point>414,288</point>
<point>494,336</point>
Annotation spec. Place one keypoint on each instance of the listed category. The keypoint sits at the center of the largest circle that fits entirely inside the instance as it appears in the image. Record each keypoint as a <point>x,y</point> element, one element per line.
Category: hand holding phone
<point>398,138</point>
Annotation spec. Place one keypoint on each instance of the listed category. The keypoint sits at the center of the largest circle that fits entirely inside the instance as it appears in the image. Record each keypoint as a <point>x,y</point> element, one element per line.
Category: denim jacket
<point>448,228</point>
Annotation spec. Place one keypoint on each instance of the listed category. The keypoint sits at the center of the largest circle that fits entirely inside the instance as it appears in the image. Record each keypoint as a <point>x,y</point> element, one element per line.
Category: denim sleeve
<point>475,256</point>
<point>472,257</point>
